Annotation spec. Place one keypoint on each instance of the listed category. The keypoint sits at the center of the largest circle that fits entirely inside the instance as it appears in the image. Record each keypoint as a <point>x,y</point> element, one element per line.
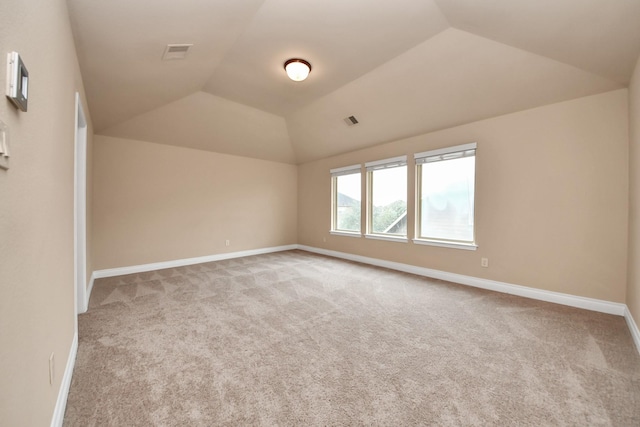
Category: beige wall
<point>551,192</point>
<point>36,212</point>
<point>154,202</point>
<point>633,288</point>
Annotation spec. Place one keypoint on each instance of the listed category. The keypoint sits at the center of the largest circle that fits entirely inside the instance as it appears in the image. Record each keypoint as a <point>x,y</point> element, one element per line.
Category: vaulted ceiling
<point>402,68</point>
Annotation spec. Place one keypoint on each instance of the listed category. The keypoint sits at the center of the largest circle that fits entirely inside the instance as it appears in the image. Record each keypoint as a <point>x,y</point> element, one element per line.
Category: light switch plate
<point>4,146</point>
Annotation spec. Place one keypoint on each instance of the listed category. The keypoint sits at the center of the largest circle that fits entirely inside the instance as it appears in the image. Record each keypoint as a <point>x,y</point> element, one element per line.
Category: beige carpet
<point>293,338</point>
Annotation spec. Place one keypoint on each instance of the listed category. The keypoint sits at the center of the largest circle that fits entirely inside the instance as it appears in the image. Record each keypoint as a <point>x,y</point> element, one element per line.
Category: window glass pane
<point>389,201</point>
<point>347,202</point>
<point>447,199</point>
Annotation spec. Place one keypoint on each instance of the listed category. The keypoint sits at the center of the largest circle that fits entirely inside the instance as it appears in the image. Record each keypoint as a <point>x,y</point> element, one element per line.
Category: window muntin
<point>346,199</point>
<point>387,197</point>
<point>446,194</point>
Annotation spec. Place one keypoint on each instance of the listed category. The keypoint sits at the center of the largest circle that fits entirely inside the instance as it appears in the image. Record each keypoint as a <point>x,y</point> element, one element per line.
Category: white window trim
<point>345,233</point>
<point>444,244</point>
<point>390,238</point>
<point>386,163</point>
<point>446,150</point>
<point>346,170</point>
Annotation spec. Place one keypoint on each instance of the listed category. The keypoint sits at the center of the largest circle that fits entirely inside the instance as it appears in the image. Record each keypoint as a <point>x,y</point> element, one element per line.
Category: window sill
<point>387,238</point>
<point>465,246</point>
<point>345,233</point>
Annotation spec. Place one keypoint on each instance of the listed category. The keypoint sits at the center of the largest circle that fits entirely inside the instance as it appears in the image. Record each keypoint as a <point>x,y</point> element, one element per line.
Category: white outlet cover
<point>52,368</point>
<point>4,146</point>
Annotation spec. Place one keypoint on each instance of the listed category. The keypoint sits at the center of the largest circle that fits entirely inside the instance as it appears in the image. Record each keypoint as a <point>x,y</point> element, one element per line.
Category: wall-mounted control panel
<point>17,81</point>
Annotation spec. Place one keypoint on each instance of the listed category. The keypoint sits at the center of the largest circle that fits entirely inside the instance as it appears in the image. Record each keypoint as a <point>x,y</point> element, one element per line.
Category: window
<point>346,194</point>
<point>446,193</point>
<point>387,198</point>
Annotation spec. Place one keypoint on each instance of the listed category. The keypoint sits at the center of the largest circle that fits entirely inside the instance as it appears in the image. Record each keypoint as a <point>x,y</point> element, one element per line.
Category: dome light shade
<point>297,69</point>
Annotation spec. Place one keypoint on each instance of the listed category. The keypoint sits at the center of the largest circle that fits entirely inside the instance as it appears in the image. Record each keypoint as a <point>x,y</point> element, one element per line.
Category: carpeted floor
<point>293,338</point>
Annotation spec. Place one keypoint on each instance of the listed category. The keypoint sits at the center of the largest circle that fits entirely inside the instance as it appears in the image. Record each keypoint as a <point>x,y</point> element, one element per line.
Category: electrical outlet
<point>324,239</point>
<point>52,360</point>
<point>484,262</point>
<point>227,242</point>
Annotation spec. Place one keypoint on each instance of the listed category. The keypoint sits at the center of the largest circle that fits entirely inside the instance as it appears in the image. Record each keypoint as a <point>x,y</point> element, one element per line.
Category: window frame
<point>371,167</point>
<point>335,173</point>
<point>420,159</point>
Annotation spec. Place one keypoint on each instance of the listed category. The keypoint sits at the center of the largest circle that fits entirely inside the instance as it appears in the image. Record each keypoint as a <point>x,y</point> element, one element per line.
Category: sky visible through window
<point>392,186</point>
<point>349,185</point>
<point>389,185</point>
<point>387,189</point>
<point>442,174</point>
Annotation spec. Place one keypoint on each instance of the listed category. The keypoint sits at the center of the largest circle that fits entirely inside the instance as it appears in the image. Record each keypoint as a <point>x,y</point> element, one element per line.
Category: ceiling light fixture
<point>297,69</point>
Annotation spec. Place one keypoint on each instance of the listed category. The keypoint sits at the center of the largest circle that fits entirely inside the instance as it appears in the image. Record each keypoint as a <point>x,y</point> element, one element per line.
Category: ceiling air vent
<point>176,51</point>
<point>351,120</point>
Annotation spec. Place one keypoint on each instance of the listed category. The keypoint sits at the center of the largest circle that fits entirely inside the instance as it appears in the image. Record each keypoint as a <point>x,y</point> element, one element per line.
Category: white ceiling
<point>402,68</point>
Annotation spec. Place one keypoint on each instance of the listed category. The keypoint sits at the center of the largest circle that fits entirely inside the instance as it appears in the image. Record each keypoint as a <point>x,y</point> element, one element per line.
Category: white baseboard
<point>63,393</point>
<point>492,285</point>
<point>111,272</point>
<point>89,289</point>
<point>633,327</point>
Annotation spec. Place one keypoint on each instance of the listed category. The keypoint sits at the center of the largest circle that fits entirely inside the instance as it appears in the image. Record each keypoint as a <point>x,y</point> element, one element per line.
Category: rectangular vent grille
<point>176,51</point>
<point>351,120</point>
